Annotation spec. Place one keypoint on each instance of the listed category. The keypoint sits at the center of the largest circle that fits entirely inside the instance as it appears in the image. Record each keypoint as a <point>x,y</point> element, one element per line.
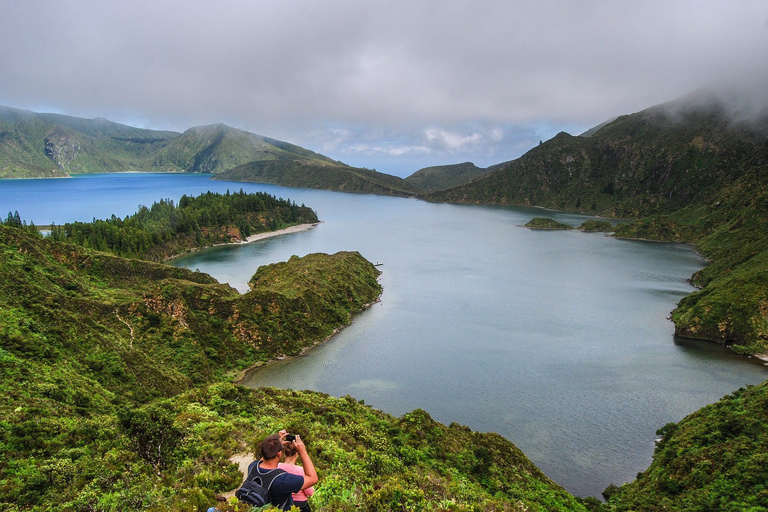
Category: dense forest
<point>166,229</point>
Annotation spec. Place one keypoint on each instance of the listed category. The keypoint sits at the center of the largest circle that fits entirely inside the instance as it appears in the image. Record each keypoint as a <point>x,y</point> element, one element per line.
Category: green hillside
<point>320,175</point>
<point>442,177</point>
<point>115,393</point>
<point>691,173</point>
<point>217,148</point>
<point>714,459</point>
<point>51,145</point>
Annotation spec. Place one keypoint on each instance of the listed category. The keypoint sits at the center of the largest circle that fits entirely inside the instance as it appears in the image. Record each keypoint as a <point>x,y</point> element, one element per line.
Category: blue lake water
<point>557,340</point>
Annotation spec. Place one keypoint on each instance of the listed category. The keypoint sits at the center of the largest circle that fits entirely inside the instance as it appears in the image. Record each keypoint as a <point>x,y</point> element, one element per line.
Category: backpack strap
<point>265,478</point>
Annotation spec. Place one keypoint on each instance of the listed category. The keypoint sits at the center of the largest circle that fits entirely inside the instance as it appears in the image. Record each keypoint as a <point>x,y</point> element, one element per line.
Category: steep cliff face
<point>62,147</point>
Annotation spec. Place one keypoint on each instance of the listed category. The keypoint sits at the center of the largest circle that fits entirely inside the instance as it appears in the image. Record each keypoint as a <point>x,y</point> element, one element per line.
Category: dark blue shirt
<point>282,486</point>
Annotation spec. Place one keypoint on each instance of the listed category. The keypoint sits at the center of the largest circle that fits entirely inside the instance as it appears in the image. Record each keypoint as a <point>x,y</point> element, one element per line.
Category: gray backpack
<point>255,489</point>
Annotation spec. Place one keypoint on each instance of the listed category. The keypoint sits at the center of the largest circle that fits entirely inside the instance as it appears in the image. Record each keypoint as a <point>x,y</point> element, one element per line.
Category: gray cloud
<point>434,79</point>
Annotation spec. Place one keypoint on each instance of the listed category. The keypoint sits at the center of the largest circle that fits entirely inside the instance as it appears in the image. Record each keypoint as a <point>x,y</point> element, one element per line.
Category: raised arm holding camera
<point>280,484</point>
<point>291,453</point>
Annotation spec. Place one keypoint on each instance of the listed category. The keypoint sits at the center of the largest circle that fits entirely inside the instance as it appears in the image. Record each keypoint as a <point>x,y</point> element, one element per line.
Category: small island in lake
<point>545,223</point>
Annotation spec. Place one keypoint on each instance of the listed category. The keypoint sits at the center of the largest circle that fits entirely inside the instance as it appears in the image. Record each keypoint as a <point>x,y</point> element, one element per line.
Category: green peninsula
<point>166,229</point>
<point>320,175</point>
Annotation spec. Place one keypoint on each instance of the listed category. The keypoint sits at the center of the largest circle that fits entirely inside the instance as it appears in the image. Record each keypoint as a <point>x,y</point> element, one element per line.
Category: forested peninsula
<point>165,229</point>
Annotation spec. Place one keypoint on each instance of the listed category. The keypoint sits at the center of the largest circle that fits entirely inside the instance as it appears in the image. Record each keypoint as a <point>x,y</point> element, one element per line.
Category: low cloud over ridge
<point>298,70</point>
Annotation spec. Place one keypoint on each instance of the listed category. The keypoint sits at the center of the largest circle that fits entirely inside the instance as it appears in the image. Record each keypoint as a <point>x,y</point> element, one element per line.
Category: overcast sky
<point>394,85</point>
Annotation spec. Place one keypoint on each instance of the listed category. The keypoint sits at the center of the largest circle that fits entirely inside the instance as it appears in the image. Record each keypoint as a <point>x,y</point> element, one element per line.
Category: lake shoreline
<point>242,374</point>
<point>298,228</point>
<point>269,234</point>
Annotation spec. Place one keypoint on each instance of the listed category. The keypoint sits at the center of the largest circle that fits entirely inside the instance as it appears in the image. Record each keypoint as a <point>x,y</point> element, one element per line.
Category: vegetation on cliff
<point>114,392</point>
<point>596,226</point>
<point>714,459</point>
<point>165,229</point>
<point>730,229</point>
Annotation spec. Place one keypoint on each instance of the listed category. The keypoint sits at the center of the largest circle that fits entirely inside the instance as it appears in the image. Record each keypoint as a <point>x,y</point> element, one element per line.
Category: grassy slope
<point>45,145</point>
<point>217,148</point>
<point>113,396</point>
<point>443,177</point>
<point>34,145</point>
<point>320,175</point>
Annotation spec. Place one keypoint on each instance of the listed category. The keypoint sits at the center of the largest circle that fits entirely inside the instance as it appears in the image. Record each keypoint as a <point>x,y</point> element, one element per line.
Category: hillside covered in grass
<point>320,175</point>
<point>115,391</point>
<point>687,171</point>
<point>36,145</point>
<point>443,177</point>
<point>714,459</point>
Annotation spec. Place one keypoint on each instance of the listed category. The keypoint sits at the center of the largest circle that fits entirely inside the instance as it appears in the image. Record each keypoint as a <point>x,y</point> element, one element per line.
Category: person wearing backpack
<point>266,483</point>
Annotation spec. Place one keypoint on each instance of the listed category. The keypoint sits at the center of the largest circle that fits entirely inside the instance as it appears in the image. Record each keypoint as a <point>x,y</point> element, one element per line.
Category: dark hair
<point>289,449</point>
<point>271,447</point>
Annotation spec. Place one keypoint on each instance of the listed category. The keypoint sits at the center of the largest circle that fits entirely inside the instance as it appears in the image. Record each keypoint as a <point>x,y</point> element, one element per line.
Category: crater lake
<point>557,340</point>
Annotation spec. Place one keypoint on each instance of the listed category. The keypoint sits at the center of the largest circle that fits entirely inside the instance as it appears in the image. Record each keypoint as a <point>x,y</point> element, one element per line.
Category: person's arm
<point>310,475</point>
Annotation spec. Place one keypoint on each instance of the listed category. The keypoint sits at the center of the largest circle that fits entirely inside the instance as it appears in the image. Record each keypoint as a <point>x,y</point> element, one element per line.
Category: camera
<point>289,437</point>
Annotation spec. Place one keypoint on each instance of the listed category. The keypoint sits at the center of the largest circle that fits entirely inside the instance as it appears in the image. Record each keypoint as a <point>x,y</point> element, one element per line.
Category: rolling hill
<point>303,173</point>
<point>54,145</point>
<point>442,177</point>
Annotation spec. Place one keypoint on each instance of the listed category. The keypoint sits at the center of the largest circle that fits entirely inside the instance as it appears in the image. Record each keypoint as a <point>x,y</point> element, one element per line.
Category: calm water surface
<point>557,340</point>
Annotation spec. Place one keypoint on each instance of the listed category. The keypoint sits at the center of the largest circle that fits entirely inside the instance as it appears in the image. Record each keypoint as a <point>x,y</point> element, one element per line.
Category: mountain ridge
<point>53,145</point>
<point>690,170</point>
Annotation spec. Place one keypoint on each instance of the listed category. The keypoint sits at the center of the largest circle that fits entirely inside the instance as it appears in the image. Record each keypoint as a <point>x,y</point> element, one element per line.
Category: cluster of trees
<point>166,229</point>
<point>14,220</point>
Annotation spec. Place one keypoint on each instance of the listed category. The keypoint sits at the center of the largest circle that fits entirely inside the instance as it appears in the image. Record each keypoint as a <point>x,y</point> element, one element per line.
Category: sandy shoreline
<point>252,238</point>
<point>269,234</point>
